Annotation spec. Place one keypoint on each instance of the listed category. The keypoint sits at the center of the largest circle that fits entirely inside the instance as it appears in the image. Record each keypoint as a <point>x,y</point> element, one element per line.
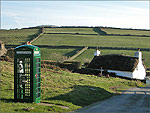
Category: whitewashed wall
<point>122,73</point>
<point>139,72</point>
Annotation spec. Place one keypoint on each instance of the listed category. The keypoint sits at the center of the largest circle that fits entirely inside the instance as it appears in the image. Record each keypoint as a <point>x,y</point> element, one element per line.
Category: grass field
<point>17,36</point>
<point>61,88</point>
<point>70,30</point>
<point>93,40</point>
<point>97,40</point>
<point>91,31</point>
<point>125,32</point>
<point>57,54</point>
<point>88,55</point>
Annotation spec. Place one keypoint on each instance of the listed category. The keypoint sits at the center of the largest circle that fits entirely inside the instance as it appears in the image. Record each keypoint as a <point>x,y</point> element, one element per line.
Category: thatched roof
<point>114,62</point>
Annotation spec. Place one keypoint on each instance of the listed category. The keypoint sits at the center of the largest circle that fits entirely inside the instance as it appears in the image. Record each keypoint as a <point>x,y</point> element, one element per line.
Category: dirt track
<point>133,100</point>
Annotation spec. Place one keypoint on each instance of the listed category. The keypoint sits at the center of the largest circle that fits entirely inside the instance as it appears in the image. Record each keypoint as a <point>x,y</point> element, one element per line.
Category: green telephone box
<point>27,71</point>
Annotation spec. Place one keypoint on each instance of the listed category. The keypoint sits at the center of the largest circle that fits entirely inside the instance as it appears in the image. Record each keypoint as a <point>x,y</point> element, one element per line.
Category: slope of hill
<point>93,40</point>
<point>88,55</point>
<point>17,36</point>
<point>57,54</point>
<point>70,30</point>
<point>126,31</point>
<point>62,90</point>
<point>81,36</point>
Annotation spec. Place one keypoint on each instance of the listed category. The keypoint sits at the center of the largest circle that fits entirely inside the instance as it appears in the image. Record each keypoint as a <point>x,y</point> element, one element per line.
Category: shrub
<point>71,65</point>
<point>86,64</point>
<point>57,57</point>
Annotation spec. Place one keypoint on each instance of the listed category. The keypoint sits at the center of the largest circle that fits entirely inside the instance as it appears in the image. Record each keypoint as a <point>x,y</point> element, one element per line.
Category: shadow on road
<point>134,100</point>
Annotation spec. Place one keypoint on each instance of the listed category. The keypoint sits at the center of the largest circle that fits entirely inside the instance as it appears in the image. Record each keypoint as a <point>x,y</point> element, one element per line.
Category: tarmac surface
<point>135,100</point>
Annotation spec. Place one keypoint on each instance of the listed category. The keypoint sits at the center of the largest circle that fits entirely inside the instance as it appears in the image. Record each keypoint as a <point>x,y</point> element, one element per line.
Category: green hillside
<point>88,55</point>
<point>96,37</point>
<point>57,54</point>
<point>70,30</point>
<point>93,40</point>
<point>126,31</point>
<point>17,36</point>
<point>62,90</point>
<point>100,39</point>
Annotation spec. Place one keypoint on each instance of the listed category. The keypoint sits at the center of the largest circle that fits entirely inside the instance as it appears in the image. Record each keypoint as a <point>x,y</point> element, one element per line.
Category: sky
<point>119,14</point>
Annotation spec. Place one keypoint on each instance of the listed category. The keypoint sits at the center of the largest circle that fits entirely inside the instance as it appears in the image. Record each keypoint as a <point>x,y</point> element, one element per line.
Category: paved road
<point>131,101</point>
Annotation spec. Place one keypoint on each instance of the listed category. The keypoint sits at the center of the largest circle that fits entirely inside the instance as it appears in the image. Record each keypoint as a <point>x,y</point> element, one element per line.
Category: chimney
<point>138,54</point>
<point>97,52</point>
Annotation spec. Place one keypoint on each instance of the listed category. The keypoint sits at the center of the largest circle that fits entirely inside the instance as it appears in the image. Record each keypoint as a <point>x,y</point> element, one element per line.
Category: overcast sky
<point>123,14</point>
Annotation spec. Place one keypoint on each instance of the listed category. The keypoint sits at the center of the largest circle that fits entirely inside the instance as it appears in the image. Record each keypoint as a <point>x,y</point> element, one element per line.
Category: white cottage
<point>121,65</point>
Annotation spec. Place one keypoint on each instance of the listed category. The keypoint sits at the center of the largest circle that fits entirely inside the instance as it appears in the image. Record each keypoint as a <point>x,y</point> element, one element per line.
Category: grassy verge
<point>61,88</point>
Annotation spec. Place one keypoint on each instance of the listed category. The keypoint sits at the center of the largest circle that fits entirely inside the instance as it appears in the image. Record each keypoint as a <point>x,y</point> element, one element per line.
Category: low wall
<point>78,53</point>
<point>89,47</point>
